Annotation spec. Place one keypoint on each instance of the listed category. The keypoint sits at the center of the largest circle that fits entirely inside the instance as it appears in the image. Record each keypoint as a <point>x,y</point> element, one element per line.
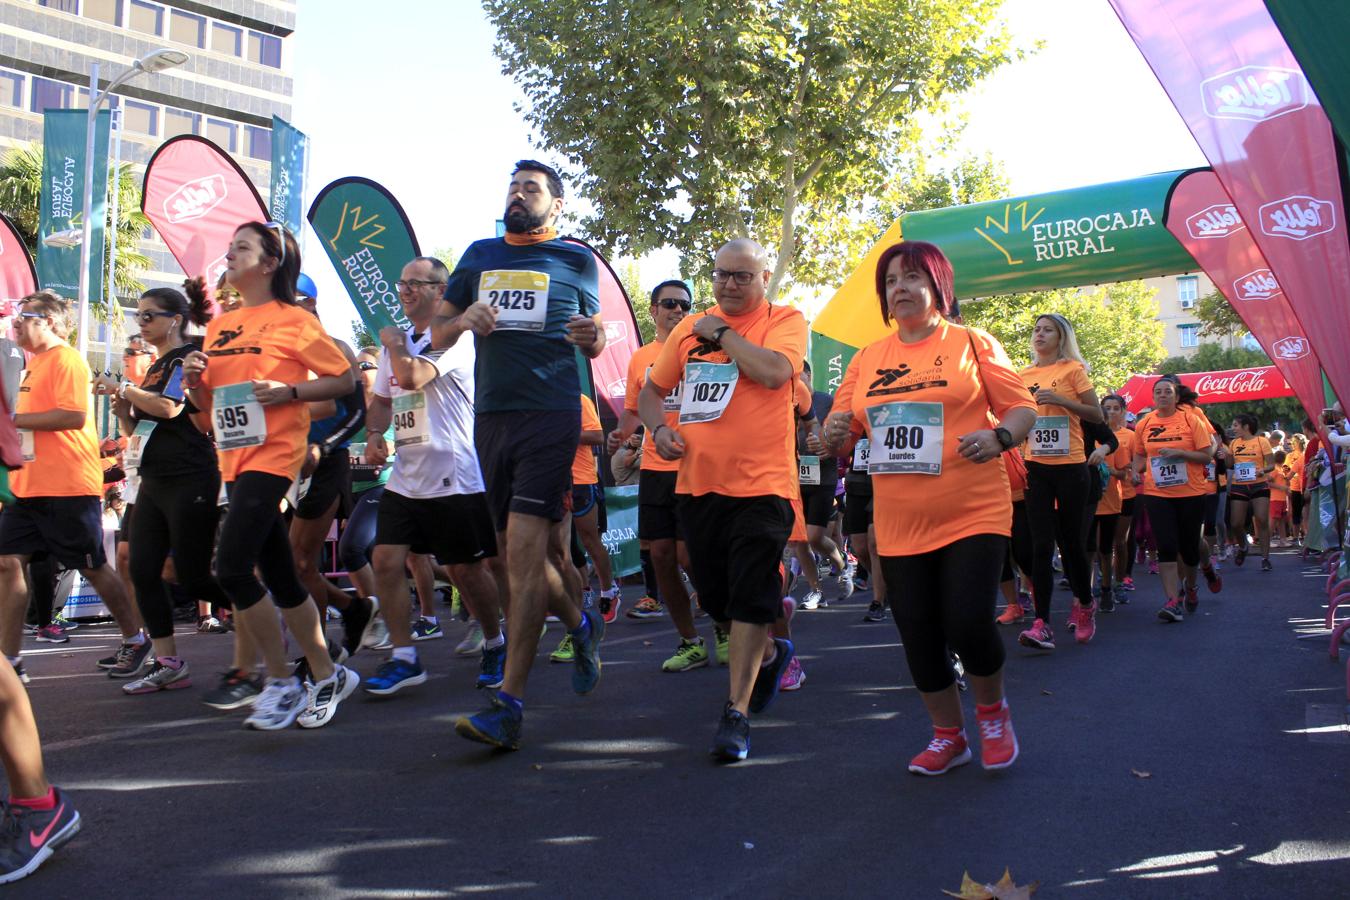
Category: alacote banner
<point>368,238</point>
<point>1092,235</point>
<point>63,145</point>
<point>290,158</point>
<point>1240,90</point>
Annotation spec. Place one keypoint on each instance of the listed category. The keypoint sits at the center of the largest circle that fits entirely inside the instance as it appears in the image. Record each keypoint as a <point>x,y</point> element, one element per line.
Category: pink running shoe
<point>998,743</point>
<point>1153,568</point>
<point>794,676</point>
<point>1087,624</point>
<point>947,750</point>
<point>1038,635</point>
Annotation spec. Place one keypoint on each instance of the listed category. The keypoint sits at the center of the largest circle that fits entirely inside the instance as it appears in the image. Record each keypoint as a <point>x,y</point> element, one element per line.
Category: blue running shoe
<point>766,682</point>
<point>586,662</point>
<point>394,675</point>
<point>732,741</point>
<point>492,670</point>
<point>498,725</point>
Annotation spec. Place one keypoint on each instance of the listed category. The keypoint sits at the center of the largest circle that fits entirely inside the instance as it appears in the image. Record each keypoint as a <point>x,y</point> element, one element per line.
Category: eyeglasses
<point>672,303</point>
<point>146,316</point>
<point>413,283</point>
<point>742,278</point>
<point>367,366</point>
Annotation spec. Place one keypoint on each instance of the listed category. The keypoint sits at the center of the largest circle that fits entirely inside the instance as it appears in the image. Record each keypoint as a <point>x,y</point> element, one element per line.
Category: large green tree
<point>691,122</point>
<point>1117,327</point>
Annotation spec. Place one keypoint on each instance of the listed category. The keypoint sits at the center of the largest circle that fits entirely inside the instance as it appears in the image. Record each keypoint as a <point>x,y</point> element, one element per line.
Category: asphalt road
<point>1202,759</point>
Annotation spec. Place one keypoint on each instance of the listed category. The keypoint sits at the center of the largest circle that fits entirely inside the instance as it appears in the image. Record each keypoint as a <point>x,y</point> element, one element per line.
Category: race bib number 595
<point>520,298</point>
<point>239,420</point>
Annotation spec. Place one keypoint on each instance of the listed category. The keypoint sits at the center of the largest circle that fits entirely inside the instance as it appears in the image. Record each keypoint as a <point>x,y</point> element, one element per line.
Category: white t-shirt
<point>434,432</point>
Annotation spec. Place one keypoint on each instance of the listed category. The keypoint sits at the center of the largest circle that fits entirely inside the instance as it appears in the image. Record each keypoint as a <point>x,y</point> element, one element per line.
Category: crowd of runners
<point>463,451</point>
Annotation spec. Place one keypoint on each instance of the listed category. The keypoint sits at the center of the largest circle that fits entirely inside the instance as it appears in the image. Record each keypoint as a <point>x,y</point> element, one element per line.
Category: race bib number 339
<point>905,438</point>
<point>520,298</point>
<point>1050,436</point>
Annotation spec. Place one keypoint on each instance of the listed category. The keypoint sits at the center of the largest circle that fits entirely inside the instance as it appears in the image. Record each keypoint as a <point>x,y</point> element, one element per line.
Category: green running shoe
<point>565,653</point>
<point>723,642</point>
<point>691,655</point>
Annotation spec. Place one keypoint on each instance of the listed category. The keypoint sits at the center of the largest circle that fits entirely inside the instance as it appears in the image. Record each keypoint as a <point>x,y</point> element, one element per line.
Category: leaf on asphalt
<point>538,768</point>
<point>1047,693</point>
<point>646,643</point>
<point>1138,774</point>
<point>1006,889</point>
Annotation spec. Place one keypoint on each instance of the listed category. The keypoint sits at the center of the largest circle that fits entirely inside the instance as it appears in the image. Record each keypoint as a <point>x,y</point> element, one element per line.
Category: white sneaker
<point>377,635</point>
<point>812,600</point>
<point>324,697</point>
<point>845,582</point>
<point>278,706</point>
<point>472,644</point>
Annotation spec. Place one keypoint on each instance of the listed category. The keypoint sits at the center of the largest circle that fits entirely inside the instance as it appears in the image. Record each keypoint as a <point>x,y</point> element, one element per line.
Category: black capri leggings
<point>1019,545</point>
<point>177,514</point>
<point>358,535</point>
<point>945,599</point>
<point>1176,523</point>
<point>1056,500</point>
<point>1296,507</point>
<point>1102,534</point>
<point>254,534</point>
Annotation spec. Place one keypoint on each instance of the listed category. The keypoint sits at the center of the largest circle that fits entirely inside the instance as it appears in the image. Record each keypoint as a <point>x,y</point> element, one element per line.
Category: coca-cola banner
<point>1241,92</point>
<point>610,369</point>
<point>1203,218</point>
<point>1231,386</point>
<point>196,196</point>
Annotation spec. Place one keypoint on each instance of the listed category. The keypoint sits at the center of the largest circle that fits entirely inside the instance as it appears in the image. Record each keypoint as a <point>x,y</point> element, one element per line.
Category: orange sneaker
<point>947,750</point>
<point>998,743</point>
<point>1087,622</point>
<point>1012,614</point>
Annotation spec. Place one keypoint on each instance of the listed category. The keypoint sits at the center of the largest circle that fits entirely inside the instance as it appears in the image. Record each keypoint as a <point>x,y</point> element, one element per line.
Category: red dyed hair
<point>919,256</point>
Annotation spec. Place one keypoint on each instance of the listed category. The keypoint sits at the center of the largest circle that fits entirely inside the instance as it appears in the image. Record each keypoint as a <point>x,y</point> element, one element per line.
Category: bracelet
<point>657,430</point>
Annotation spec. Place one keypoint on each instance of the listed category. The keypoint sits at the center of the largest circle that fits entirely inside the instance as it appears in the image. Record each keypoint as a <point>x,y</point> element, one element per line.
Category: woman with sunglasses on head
<point>179,481</point>
<point>254,375</point>
<point>1057,477</point>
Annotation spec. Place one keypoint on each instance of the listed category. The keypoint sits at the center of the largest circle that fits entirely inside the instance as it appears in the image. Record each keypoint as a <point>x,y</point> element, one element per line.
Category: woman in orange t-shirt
<point>1058,483</point>
<point>1251,459</point>
<point>929,398</point>
<point>1294,460</point>
<point>1171,448</point>
<point>1110,512</point>
<point>253,375</point>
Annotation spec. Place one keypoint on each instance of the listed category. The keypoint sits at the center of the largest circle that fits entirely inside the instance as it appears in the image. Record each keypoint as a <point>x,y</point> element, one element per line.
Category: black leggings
<point>42,571</point>
<point>945,599</point>
<point>1102,534</point>
<point>1019,545</point>
<point>1176,523</point>
<point>255,534</point>
<point>1210,516</point>
<point>1056,498</point>
<point>1296,507</point>
<point>180,515</point>
<point>358,535</point>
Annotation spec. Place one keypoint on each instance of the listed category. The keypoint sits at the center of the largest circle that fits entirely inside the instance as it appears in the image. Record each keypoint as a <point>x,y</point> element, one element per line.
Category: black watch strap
<point>1004,436</point>
<point>717,334</point>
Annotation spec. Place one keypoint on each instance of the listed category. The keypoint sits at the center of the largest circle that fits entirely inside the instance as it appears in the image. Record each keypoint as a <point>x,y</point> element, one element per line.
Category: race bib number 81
<point>520,298</point>
<point>905,438</point>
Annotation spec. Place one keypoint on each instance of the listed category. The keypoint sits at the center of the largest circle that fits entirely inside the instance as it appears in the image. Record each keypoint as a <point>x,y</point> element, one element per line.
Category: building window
<point>226,39</point>
<point>222,134</point>
<point>48,94</point>
<point>1190,335</point>
<point>259,142</point>
<point>147,17</point>
<point>140,118</point>
<point>264,49</point>
<point>11,90</point>
<point>177,122</point>
<point>1188,290</point>
<point>68,6</point>
<point>185,28</point>
<point>109,11</point>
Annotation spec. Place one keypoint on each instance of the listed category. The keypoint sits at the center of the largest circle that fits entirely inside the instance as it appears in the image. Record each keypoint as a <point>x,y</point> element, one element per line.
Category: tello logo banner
<point>214,271</point>
<point>1255,93</point>
<point>1298,217</point>
<point>1290,348</point>
<point>618,389</point>
<point>195,199</point>
<point>615,332</point>
<point>1217,221</point>
<point>1258,285</point>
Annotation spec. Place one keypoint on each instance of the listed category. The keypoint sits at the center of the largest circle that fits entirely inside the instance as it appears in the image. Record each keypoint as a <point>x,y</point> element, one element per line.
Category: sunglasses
<point>33,315</point>
<point>367,366</point>
<point>281,238</point>
<point>146,316</point>
<point>671,303</point>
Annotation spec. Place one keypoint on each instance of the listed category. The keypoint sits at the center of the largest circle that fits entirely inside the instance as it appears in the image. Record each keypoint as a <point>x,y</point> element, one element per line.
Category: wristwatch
<point>1005,439</point>
<point>717,334</point>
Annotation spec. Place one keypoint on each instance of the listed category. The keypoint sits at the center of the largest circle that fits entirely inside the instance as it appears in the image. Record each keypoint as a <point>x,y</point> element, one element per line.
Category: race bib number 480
<point>239,420</point>
<point>905,438</point>
<point>1050,436</point>
<point>707,389</point>
<point>519,297</point>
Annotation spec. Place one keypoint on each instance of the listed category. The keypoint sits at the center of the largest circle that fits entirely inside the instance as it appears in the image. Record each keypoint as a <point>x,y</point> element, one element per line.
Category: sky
<point>418,102</point>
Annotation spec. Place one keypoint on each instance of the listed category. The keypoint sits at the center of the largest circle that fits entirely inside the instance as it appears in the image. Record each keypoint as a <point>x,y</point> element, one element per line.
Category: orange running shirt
<point>1126,438</point>
<point>65,463</point>
<point>1113,492</point>
<point>739,436</point>
<point>1180,431</point>
<point>583,465</point>
<point>271,342</point>
<point>1250,458</point>
<point>1294,460</point>
<point>1279,484</point>
<point>934,391</point>
<point>1057,437</point>
<point>638,366</point>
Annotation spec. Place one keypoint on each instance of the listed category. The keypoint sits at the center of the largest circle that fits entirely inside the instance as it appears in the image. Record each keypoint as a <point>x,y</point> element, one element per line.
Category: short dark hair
<point>1248,420</point>
<point>438,269</point>
<point>555,185</point>
<point>672,282</point>
<point>918,256</point>
<point>1185,396</point>
<point>288,269</point>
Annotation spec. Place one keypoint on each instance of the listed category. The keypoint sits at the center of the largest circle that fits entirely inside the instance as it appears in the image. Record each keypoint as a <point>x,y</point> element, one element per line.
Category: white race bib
<point>1211,473</point>
<point>136,443</point>
<point>410,419</point>
<point>27,445</point>
<point>239,420</point>
<point>1167,472</point>
<point>908,438</point>
<point>1050,436</point>
<point>520,298</point>
<point>1244,472</point>
<point>670,402</point>
<point>808,469</point>
<point>707,390</point>
<point>862,452</point>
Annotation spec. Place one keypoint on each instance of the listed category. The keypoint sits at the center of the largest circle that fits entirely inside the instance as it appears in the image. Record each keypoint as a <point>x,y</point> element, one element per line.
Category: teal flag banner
<point>621,538</point>
<point>63,143</point>
<point>290,164</point>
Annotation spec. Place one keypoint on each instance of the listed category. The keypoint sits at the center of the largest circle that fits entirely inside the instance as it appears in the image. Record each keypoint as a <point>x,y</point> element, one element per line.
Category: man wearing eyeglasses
<point>736,365</point>
<point>60,486</point>
<point>531,302</point>
<point>658,526</point>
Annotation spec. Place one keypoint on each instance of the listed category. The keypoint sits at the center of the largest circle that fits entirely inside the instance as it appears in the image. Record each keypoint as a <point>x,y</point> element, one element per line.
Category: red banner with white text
<point>196,196</point>
<point>1229,386</point>
<point>18,277</point>
<point>1230,74</point>
<point>1204,220</point>
<point>609,370</point>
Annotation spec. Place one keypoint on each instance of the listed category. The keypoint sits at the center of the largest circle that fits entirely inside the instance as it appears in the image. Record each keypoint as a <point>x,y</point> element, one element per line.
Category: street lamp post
<point>155,61</point>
